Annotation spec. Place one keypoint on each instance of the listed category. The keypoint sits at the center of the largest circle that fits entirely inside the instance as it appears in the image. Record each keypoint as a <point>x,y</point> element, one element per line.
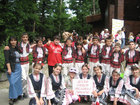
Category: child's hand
<point>95,94</point>
<point>6,48</point>
<point>100,93</point>
<point>41,101</point>
<point>137,93</point>
<point>38,102</point>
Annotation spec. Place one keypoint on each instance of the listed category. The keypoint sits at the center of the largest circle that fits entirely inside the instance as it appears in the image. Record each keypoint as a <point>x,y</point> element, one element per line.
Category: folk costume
<point>116,89</point>
<point>58,87</point>
<point>24,50</point>
<point>105,62</point>
<point>132,57</point>
<point>93,54</point>
<point>115,60</point>
<point>130,84</point>
<point>40,86</point>
<point>101,83</point>
<point>79,60</point>
<point>68,54</point>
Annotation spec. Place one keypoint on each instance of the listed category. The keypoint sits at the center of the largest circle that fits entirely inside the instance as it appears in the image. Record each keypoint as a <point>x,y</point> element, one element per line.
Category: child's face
<point>57,70</point>
<point>97,70</point>
<point>136,72</point>
<point>131,46</point>
<point>117,48</point>
<point>95,41</point>
<point>13,42</point>
<point>56,42</point>
<point>115,76</point>
<point>108,42</point>
<point>39,44</point>
<point>25,38</point>
<point>85,70</point>
<point>69,43</point>
<point>37,69</point>
<point>79,46</point>
<point>72,74</point>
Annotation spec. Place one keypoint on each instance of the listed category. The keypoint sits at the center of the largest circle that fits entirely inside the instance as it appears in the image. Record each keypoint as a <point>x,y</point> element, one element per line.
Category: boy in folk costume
<point>24,50</point>
<point>132,86</point>
<point>58,85</point>
<point>93,53</point>
<point>132,57</point>
<point>38,52</point>
<point>102,85</point>
<point>68,55</point>
<point>79,56</point>
<point>116,58</point>
<point>106,53</point>
<point>116,88</point>
<point>39,88</point>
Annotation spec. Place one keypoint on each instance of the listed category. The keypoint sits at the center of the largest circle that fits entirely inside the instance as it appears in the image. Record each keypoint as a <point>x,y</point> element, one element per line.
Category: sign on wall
<point>117,25</point>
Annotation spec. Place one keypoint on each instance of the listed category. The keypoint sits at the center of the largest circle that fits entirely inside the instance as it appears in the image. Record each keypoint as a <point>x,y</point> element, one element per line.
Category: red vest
<point>133,60</point>
<point>35,54</point>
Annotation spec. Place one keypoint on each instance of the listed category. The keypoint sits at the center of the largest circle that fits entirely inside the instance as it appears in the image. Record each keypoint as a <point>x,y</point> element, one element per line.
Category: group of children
<point>67,62</point>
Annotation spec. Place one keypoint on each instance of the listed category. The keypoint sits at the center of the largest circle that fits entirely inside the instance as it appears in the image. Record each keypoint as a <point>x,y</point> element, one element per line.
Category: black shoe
<point>11,102</point>
<point>24,95</point>
<point>20,97</point>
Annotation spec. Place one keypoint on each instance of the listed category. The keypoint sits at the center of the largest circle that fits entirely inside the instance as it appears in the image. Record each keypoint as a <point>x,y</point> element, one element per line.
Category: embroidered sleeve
<point>63,86</point>
<point>127,84</point>
<point>49,91</point>
<point>106,85</point>
<point>30,88</point>
<point>119,88</point>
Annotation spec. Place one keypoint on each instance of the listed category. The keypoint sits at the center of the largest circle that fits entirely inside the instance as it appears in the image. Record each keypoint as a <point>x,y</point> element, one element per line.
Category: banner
<point>117,25</point>
<point>82,86</point>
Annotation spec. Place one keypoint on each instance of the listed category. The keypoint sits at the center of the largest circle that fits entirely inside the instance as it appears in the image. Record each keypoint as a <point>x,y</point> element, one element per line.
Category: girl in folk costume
<point>102,85</point>
<point>93,53</point>
<point>58,85</point>
<point>38,52</point>
<point>24,50</point>
<point>85,75</point>
<point>70,97</point>
<point>118,37</point>
<point>116,88</point>
<point>116,57</point>
<point>132,86</point>
<point>79,56</point>
<point>68,55</point>
<point>106,53</point>
<point>54,53</point>
<point>39,88</point>
<point>12,64</point>
<point>132,57</point>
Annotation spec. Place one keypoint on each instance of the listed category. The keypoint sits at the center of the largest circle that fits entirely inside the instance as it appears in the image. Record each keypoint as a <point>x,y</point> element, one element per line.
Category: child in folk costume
<point>24,50</point>
<point>68,55</point>
<point>54,53</point>
<point>79,56</point>
<point>132,86</point>
<point>85,75</point>
<point>106,53</point>
<point>116,88</point>
<point>116,58</point>
<point>93,53</point>
<point>102,85</point>
<point>132,57</point>
<point>58,85</point>
<point>39,88</point>
<point>38,52</point>
<point>70,97</point>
